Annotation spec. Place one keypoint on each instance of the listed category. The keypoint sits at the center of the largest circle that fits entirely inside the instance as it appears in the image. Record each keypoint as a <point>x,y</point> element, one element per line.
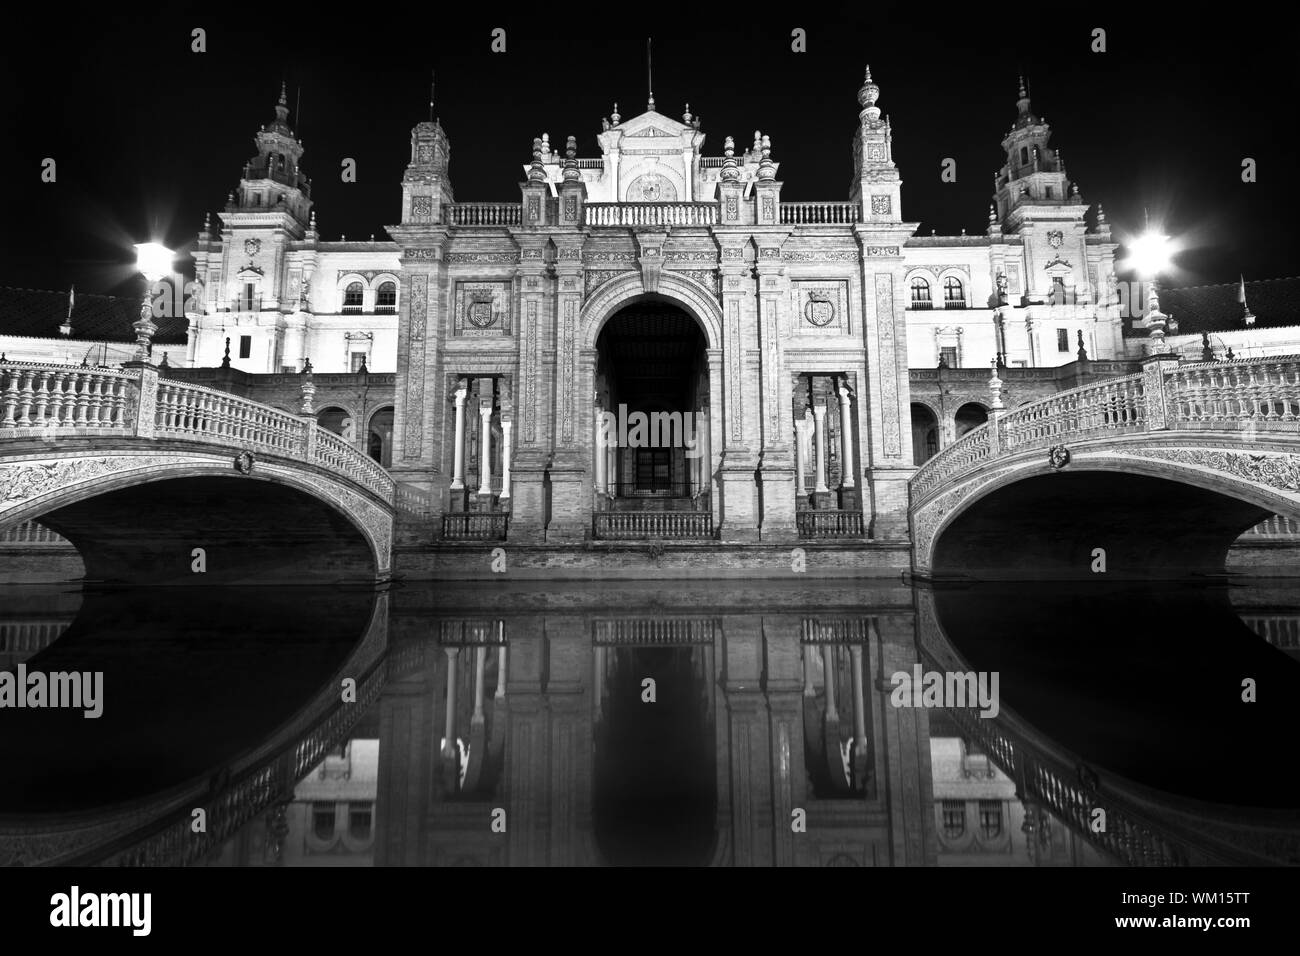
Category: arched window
<point>920,293</point>
<point>386,300</point>
<point>954,295</point>
<point>352,297</point>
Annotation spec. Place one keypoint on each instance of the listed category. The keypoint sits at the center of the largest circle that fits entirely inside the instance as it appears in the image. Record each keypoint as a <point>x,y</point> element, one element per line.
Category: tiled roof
<point>98,318</point>
<point>1216,308</point>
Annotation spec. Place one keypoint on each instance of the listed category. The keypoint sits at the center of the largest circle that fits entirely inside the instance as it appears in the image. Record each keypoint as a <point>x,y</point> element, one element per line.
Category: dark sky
<point>148,135</point>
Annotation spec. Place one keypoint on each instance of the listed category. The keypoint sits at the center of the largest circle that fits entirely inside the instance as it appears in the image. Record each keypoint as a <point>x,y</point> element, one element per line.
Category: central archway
<point>652,392</point>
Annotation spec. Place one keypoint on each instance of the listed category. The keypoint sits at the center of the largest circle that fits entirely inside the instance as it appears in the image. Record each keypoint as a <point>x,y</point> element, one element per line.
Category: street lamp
<point>153,261</point>
<point>1149,255</point>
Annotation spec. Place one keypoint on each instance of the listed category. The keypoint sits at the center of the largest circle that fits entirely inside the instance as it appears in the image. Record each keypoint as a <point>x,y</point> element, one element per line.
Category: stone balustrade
<point>819,213</point>
<point>651,214</point>
<point>1247,396</point>
<point>638,525</point>
<point>484,214</point>
<point>31,534</point>
<point>56,400</point>
<point>829,523</point>
<point>476,526</point>
<point>50,402</point>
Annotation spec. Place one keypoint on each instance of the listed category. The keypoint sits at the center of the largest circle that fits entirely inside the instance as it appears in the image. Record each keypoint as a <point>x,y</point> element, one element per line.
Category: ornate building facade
<point>765,344</point>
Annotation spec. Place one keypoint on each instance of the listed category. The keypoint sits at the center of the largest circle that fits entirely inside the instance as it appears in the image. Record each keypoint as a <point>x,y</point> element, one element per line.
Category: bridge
<point>138,471</point>
<point>1161,470</point>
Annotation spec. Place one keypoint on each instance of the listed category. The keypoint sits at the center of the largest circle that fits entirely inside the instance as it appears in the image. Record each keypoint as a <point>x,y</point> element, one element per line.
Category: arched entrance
<point>971,415</point>
<point>379,436</point>
<point>925,433</point>
<point>650,441</point>
<point>338,420</point>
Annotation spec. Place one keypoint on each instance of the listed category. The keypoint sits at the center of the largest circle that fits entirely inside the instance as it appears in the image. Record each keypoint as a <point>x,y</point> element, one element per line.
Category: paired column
<point>458,463</point>
<point>819,416</point>
<point>449,740</point>
<point>600,451</point>
<point>846,437</point>
<point>800,461</point>
<point>485,450</point>
<point>507,426</point>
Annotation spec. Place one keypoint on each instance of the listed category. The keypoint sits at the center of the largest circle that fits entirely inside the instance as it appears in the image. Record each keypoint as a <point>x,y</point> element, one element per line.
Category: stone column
<point>507,426</point>
<point>485,451</point>
<point>846,437</point>
<point>859,703</point>
<point>458,450</point>
<point>600,454</point>
<point>819,415</point>
<point>501,673</point>
<point>828,681</point>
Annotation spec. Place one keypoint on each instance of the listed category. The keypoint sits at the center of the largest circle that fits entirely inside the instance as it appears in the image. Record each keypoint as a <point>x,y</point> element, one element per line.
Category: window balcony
<point>955,304</point>
<point>921,304</point>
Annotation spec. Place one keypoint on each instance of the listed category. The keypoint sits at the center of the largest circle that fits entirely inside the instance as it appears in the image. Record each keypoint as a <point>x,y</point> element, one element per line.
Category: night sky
<point>149,136</point>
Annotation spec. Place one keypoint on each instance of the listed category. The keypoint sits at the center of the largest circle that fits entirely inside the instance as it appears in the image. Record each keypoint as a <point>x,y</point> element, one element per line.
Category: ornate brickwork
<point>568,363</point>
<point>888,373</point>
<point>530,371</point>
<point>482,308</point>
<point>413,434</point>
<point>734,392</point>
<point>820,306</point>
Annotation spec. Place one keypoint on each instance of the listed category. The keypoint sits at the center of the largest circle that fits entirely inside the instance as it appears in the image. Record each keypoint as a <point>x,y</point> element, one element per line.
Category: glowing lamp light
<point>1150,254</point>
<point>153,260</point>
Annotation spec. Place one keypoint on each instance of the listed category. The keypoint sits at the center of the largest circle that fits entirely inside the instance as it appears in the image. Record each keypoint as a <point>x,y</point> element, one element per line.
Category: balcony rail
<point>829,523</point>
<point>954,303</point>
<point>669,489</point>
<point>819,213</point>
<point>920,305</point>
<point>651,214</point>
<point>1254,394</point>
<point>644,525</point>
<point>245,304</point>
<point>476,526</point>
<point>49,402</point>
<point>484,213</point>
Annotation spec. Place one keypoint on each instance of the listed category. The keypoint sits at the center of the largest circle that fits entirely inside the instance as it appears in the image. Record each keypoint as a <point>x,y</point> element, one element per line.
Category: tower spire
<point>432,79</point>
<point>649,73</point>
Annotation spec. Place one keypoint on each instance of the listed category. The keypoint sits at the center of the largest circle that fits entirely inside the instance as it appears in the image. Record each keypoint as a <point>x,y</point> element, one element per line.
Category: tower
<point>1033,179</point>
<point>426,185</point>
<point>876,183</point>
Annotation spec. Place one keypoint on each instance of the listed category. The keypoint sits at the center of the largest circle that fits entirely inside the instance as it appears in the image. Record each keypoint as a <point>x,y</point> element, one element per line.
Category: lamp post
<point>153,261</point>
<point>1149,255</point>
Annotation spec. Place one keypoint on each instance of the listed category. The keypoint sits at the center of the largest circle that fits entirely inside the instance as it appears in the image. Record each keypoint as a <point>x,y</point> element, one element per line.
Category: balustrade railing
<point>1278,526</point>
<point>49,402</point>
<point>641,525</point>
<point>829,523</point>
<point>651,214</point>
<point>476,526</point>
<point>819,213</point>
<point>1262,392</point>
<point>484,214</point>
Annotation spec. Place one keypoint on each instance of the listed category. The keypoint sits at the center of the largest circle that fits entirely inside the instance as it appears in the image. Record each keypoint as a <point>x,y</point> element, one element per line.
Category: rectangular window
<point>1062,340</point>
<point>360,816</point>
<point>954,818</point>
<point>250,296</point>
<point>990,819</point>
<point>322,820</point>
<point>358,360</point>
<point>949,354</point>
<point>245,346</point>
<point>288,370</point>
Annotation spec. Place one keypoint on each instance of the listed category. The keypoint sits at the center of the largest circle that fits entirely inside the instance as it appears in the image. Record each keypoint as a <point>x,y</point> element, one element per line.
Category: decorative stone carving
<point>881,206</point>
<point>651,187</point>
<point>419,253</point>
<point>568,363</point>
<point>705,277</point>
<point>734,393</point>
<point>890,412</point>
<point>1058,456</point>
<point>821,255</point>
<point>1055,238</point>
<point>502,257</point>
<point>413,413</point>
<point>690,256</point>
<point>595,278</point>
<point>244,463</point>
<point>422,208</point>
<point>873,251</point>
<point>821,304</point>
<point>482,308</point>
<point>610,257</point>
<point>1276,471</point>
<point>530,370</point>
<point>252,246</point>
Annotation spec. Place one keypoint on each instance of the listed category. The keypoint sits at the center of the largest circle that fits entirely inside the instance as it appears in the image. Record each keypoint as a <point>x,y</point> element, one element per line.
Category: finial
<point>766,168</point>
<point>649,75</point>
<point>1101,215</point>
<point>225,361</point>
<point>868,76</point>
<point>614,117</point>
<point>758,144</point>
<point>867,97</point>
<point>537,172</point>
<point>571,173</point>
<point>686,117</point>
<point>1023,94</point>
<point>1082,352</point>
<point>993,214</point>
<point>995,388</point>
<point>432,78</point>
<point>730,168</point>
<point>284,94</point>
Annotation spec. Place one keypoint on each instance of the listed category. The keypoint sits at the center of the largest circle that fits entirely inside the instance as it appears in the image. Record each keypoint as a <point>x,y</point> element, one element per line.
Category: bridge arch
<point>1170,466</point>
<point>161,507</point>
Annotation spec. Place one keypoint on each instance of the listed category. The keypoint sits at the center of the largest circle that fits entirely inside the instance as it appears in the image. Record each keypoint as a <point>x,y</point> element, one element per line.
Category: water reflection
<point>703,723</point>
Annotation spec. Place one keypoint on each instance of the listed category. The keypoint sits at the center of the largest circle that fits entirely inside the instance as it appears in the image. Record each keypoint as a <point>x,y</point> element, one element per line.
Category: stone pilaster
<point>532,398</point>
<point>776,464</point>
<point>739,518</point>
<point>571,465</point>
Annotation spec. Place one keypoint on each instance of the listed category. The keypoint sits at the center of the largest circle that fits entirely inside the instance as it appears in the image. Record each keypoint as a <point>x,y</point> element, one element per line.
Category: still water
<point>656,723</point>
